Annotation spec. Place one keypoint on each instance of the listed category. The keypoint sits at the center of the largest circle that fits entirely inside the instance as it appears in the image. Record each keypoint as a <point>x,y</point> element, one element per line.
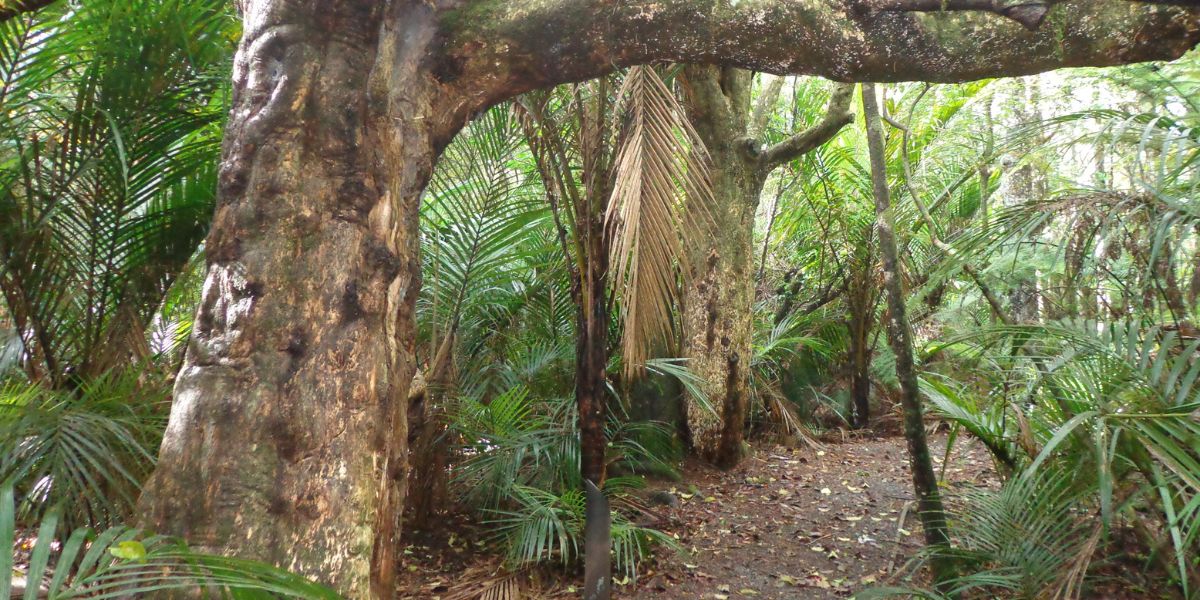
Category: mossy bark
<point>718,306</point>
<point>929,499</point>
<point>287,435</point>
<point>718,302</point>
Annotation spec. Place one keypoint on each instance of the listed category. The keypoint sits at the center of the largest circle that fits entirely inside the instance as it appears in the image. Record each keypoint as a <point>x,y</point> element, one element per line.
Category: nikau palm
<point>110,137</point>
<point>109,132</point>
<point>625,211</point>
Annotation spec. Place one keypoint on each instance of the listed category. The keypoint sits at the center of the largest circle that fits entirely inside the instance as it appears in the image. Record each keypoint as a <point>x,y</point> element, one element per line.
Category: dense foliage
<point>1050,239</point>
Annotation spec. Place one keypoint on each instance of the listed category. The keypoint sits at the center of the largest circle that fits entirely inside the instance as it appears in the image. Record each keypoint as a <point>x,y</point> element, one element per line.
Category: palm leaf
<point>660,161</point>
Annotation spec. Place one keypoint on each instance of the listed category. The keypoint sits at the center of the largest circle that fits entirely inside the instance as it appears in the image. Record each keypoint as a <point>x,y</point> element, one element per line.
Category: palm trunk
<point>860,366</point>
<point>862,299</point>
<point>929,501</point>
<point>429,451</point>
<point>591,391</point>
<point>591,354</point>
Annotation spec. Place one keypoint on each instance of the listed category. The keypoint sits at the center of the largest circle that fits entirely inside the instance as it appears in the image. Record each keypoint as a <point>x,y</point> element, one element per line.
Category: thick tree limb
<point>1029,13</point>
<point>837,116</point>
<point>12,8</point>
<point>497,48</point>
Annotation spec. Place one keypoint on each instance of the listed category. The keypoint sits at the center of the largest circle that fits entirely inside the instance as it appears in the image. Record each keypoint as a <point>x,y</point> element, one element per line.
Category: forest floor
<point>814,523</point>
<point>787,523</point>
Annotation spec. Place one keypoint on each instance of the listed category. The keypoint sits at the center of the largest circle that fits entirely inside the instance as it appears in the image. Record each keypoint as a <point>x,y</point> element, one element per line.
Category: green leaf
<point>129,550</point>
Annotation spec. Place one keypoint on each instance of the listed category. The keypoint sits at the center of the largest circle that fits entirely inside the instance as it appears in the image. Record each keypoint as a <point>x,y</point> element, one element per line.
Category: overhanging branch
<point>13,8</point>
<point>1029,13</point>
<point>493,49</point>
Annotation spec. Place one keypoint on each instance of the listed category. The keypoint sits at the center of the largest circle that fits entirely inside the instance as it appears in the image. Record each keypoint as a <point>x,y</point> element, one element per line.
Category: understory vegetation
<point>1049,239</point>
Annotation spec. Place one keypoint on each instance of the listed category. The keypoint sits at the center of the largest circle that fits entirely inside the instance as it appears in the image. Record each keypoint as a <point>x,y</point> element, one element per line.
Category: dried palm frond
<point>780,413</point>
<point>507,588</point>
<point>660,162</point>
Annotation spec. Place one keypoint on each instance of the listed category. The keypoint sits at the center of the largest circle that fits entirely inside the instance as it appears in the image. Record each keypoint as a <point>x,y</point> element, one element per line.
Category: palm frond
<point>661,161</point>
<point>123,562</point>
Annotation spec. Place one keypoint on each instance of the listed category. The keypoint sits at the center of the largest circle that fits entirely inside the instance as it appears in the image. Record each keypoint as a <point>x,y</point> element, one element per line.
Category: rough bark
<point>286,441</point>
<point>718,304</point>
<point>286,437</point>
<point>929,501</point>
<point>838,39</point>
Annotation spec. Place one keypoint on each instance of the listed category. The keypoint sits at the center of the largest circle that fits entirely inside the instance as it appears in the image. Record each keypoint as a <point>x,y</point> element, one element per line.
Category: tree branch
<point>494,49</point>
<point>837,116</point>
<point>13,8</point>
<point>1029,13</point>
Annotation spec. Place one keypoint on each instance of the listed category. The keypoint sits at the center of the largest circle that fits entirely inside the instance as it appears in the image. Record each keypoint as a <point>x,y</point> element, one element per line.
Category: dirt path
<point>786,524</point>
<point>799,523</point>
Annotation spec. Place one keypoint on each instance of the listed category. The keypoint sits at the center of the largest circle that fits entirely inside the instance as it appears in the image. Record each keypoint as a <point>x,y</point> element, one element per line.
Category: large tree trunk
<point>287,437</point>
<point>718,303</point>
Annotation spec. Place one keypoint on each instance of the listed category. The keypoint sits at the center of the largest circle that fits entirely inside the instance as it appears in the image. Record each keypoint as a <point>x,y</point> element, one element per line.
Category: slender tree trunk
<point>862,299</point>
<point>1167,275</point>
<point>1025,184</point>
<point>591,395</point>
<point>429,451</point>
<point>929,501</point>
<point>1193,293</point>
<point>985,166</point>
<point>860,323</point>
<point>591,354</point>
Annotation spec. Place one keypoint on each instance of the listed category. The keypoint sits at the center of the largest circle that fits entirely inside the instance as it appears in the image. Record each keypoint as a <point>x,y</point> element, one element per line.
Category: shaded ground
<point>801,523</point>
<point>786,524</point>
